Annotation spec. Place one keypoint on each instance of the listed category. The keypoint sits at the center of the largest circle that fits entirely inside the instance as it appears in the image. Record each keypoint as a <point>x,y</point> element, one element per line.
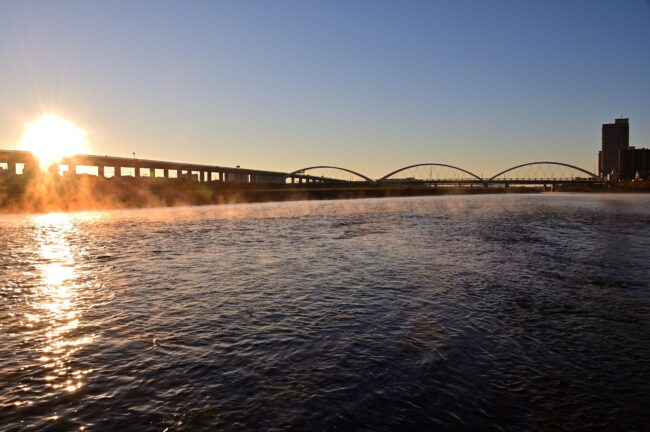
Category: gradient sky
<point>368,85</point>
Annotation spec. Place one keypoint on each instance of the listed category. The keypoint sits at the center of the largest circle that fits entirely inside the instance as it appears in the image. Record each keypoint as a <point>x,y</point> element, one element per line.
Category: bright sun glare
<point>51,138</point>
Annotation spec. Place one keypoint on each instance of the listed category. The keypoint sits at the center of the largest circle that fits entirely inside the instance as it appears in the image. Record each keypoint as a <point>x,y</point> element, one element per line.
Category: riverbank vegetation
<point>635,186</point>
<point>39,192</point>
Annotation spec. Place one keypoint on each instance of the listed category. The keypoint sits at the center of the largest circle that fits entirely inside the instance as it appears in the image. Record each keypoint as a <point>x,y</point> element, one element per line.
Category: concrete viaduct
<point>17,162</point>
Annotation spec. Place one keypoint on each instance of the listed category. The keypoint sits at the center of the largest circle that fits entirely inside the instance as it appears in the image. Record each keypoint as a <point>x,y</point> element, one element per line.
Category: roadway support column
<point>27,167</point>
<point>100,171</point>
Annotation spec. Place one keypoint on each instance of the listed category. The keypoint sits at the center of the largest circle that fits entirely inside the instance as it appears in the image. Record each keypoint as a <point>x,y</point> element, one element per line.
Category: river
<point>491,312</point>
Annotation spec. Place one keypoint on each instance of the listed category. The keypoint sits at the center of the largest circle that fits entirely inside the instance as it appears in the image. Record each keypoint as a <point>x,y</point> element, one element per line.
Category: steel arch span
<point>590,174</point>
<point>296,172</point>
<point>387,176</point>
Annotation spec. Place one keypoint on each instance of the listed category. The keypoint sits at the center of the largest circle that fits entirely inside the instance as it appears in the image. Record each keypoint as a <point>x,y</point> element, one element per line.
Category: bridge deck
<point>246,175</point>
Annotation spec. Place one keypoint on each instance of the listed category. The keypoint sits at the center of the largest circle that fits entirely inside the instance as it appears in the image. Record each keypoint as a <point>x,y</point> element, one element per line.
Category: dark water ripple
<point>443,313</point>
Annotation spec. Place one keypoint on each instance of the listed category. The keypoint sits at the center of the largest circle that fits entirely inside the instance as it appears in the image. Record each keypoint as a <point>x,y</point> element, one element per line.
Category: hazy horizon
<point>369,86</point>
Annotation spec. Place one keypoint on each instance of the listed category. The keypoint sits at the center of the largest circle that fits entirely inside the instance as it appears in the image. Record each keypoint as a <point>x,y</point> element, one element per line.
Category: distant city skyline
<point>363,85</point>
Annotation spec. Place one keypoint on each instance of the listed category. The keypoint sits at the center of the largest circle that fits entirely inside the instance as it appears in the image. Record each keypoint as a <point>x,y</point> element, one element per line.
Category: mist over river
<point>490,312</point>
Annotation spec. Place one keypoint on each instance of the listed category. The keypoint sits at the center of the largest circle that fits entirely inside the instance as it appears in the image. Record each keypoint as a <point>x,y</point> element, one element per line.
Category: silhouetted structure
<point>617,160</point>
<point>635,164</point>
<point>17,162</point>
<point>14,163</point>
<point>615,137</point>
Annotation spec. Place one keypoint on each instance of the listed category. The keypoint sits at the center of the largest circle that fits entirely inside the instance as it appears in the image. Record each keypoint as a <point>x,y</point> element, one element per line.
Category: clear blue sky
<point>369,85</point>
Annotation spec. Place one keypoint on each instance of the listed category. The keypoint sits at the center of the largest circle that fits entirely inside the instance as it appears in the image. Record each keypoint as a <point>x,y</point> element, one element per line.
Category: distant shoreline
<point>85,192</point>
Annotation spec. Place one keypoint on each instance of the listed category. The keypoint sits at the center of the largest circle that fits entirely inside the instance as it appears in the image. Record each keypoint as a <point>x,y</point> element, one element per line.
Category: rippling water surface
<point>480,312</point>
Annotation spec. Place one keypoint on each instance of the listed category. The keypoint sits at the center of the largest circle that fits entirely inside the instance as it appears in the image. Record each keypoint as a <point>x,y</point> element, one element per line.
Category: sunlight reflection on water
<point>54,304</point>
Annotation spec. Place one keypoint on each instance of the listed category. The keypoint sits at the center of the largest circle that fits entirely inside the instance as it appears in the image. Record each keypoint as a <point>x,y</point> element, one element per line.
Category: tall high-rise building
<point>615,137</point>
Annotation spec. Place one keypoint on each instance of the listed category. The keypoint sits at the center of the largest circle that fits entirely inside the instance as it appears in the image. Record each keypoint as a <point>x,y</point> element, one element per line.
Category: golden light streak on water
<point>55,303</point>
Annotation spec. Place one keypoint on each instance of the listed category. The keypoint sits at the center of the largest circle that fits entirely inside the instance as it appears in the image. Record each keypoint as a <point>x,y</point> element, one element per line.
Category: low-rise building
<point>635,164</point>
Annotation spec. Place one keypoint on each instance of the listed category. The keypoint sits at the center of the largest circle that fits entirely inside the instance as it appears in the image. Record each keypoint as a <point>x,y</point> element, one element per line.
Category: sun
<point>51,138</point>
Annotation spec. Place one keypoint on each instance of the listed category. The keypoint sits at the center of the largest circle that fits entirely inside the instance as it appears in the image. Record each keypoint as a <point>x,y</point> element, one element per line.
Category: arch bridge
<point>531,173</point>
<point>300,175</point>
<point>544,172</point>
<point>431,172</point>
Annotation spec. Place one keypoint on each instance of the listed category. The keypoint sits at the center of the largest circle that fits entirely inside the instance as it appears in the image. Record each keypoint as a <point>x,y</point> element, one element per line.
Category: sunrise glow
<point>51,138</point>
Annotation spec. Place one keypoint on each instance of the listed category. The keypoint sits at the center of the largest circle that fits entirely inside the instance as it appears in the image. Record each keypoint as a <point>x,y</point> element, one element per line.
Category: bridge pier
<point>29,168</point>
<point>100,171</point>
